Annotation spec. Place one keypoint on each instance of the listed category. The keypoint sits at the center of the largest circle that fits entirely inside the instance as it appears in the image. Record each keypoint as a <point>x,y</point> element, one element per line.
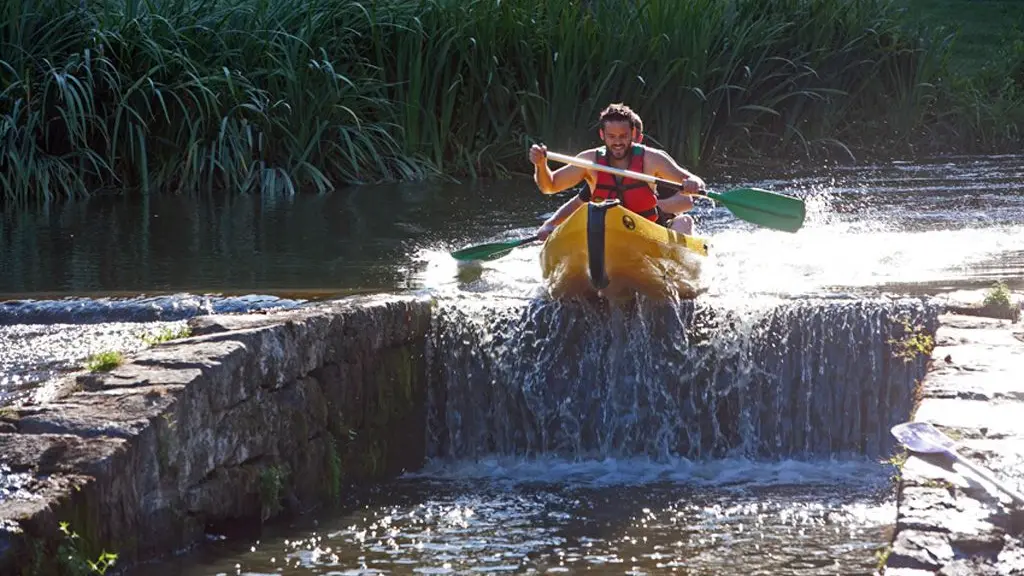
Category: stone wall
<point>251,416</point>
<point>949,520</point>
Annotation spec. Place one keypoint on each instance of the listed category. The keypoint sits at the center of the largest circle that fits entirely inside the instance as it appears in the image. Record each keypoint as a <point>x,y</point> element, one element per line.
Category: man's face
<point>618,137</point>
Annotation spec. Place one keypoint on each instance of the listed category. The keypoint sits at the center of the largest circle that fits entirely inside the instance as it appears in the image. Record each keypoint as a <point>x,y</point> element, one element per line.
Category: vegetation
<point>983,29</point>
<point>882,556</point>
<point>981,93</point>
<point>104,361</point>
<point>166,334</point>
<point>74,562</point>
<point>271,484</point>
<point>278,96</point>
<point>71,558</point>
<point>998,296</point>
<point>913,343</point>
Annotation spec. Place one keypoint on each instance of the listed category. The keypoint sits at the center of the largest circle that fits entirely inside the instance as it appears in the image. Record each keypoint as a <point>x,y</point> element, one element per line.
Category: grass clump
<point>166,334</point>
<point>104,361</point>
<point>999,302</point>
<point>998,297</point>
<point>882,556</point>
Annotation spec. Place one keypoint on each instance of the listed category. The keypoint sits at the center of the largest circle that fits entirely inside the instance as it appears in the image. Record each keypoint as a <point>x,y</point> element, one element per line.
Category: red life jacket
<point>635,195</point>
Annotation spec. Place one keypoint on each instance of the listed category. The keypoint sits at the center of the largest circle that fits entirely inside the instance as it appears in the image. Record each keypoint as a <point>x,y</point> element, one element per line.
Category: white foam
<point>728,473</point>
<point>746,262</point>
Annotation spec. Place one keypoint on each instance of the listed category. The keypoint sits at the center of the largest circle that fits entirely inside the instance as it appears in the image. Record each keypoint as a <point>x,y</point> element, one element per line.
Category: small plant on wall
<point>999,303</point>
<point>914,342</point>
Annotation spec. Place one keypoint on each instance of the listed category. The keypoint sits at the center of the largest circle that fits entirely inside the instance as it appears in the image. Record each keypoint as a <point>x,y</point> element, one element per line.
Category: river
<point>911,227</point>
<point>897,228</point>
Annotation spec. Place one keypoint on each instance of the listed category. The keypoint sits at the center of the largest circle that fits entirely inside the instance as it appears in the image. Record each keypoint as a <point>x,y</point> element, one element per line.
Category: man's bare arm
<point>562,179</point>
<point>667,168</point>
<point>571,205</point>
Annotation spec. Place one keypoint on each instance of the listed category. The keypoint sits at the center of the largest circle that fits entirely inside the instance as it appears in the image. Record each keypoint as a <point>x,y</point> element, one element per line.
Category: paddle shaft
<point>986,475</point>
<point>576,161</point>
<point>490,250</point>
<point>764,208</point>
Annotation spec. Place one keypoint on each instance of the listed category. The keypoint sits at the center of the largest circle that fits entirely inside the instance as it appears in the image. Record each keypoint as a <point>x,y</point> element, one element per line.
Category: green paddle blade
<point>763,207</point>
<point>491,250</point>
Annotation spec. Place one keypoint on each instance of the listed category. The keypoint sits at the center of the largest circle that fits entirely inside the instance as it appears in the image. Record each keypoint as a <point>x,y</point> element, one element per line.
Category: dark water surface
<point>352,240</point>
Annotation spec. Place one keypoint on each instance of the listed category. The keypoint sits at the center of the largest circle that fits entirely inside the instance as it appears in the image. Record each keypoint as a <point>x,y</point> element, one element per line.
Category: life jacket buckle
<point>605,204</point>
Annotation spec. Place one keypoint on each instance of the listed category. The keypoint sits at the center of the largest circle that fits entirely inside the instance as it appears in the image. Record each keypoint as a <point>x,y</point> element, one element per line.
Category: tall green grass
<point>278,96</point>
<point>191,96</point>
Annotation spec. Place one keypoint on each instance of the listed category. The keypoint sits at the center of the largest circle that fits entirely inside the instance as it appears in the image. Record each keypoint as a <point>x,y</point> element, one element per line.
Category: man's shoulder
<point>651,150</point>
<point>655,155</point>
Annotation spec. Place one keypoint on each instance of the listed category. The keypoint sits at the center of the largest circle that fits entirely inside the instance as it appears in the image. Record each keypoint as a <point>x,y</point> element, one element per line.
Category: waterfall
<point>800,379</point>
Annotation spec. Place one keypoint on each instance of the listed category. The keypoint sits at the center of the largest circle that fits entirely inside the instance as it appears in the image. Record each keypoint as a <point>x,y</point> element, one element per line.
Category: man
<point>621,131</point>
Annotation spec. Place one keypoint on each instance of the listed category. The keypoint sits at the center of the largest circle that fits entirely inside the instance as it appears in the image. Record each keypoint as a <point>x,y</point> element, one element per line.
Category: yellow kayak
<point>606,249</point>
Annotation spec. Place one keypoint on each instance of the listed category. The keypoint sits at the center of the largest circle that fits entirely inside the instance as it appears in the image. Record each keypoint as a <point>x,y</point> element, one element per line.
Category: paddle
<point>925,438</point>
<point>491,250</point>
<point>762,207</point>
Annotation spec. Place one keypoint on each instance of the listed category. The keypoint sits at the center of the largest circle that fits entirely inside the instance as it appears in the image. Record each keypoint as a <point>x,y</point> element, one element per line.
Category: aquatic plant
<point>276,97</point>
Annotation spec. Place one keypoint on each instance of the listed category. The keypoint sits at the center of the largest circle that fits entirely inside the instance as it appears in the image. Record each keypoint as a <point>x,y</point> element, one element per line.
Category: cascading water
<point>804,379</point>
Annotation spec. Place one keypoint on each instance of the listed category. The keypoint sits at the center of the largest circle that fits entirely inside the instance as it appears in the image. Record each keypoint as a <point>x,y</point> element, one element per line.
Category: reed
<point>277,96</point>
<point>191,96</point>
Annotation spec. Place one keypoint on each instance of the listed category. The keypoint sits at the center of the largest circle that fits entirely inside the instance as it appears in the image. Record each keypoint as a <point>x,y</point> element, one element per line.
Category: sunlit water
<point>909,228</point>
<point>612,517</point>
<point>905,228</point>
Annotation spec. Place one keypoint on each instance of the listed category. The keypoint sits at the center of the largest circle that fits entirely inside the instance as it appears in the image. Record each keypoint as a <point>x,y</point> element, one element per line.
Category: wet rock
<point>171,307</point>
<point>920,550</point>
<point>1011,558</point>
<point>46,454</point>
<point>970,303</point>
<point>204,325</point>
<point>968,567</point>
<point>117,414</point>
<point>1012,313</point>
<point>33,354</point>
<point>949,520</point>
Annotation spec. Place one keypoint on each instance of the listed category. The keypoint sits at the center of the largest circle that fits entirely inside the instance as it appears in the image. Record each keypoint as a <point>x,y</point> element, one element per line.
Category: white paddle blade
<point>922,437</point>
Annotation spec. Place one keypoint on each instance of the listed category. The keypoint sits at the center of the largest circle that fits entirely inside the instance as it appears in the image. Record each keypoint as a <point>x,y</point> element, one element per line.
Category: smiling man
<point>619,129</point>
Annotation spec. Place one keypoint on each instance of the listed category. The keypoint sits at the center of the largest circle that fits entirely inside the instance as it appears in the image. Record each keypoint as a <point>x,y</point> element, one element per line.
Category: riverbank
<point>822,78</point>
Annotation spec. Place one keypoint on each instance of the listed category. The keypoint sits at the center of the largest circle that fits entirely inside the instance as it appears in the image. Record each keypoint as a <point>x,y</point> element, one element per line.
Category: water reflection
<point>359,238</point>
